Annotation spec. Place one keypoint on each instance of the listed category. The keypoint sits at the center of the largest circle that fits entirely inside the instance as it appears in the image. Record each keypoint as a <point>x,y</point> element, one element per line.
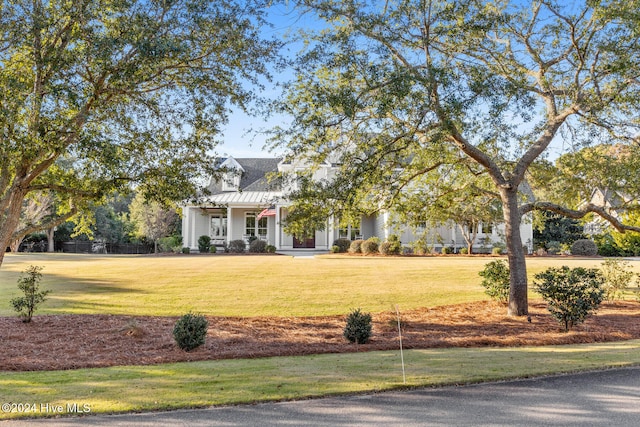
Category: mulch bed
<point>53,342</point>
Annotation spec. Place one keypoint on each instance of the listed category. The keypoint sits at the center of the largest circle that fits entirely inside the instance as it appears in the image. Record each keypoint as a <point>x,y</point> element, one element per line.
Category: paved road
<point>607,398</point>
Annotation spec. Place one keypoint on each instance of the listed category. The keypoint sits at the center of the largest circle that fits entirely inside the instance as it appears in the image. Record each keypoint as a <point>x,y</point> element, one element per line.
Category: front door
<point>304,243</point>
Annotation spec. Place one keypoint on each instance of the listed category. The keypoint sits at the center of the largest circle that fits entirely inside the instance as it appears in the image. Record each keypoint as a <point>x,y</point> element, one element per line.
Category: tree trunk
<point>9,222</point>
<point>50,242</point>
<point>518,300</point>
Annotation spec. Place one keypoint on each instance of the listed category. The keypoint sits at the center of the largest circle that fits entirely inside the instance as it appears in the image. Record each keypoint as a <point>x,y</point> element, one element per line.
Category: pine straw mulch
<point>54,342</point>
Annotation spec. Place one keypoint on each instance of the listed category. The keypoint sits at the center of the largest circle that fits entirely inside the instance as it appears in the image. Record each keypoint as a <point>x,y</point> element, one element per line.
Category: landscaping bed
<point>53,342</point>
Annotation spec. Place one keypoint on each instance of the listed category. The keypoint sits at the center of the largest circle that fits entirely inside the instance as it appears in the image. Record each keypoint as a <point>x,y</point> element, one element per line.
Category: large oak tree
<point>399,91</point>
<point>100,95</point>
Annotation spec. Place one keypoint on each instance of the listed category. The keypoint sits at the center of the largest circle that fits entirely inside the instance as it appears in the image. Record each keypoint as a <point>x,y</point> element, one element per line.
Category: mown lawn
<point>251,285</point>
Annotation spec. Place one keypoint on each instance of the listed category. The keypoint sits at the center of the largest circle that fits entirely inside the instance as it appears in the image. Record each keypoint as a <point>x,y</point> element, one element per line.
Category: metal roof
<point>245,198</point>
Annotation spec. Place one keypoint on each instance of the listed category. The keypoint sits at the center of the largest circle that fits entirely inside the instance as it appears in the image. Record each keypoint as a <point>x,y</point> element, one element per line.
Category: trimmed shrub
<point>190,331</point>
<point>186,250</point>
<point>270,249</point>
<point>356,247</point>
<point>496,280</point>
<point>394,246</point>
<point>258,247</point>
<point>29,284</point>
<point>335,249</point>
<point>571,294</point>
<point>358,327</point>
<point>204,244</point>
<point>496,251</point>
<point>446,250</point>
<point>370,246</point>
<point>584,247</point>
<point>342,244</point>
<point>617,277</point>
<point>385,248</point>
<point>213,249</point>
<point>237,246</point>
<point>464,251</point>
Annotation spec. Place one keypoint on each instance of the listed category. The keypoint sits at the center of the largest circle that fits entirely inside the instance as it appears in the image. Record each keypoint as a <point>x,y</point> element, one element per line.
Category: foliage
<point>213,249</point>
<point>420,101</point>
<point>237,246</point>
<point>204,244</point>
<point>190,331</point>
<point>496,251</point>
<point>392,246</point>
<point>358,327</point>
<point>464,251</point>
<point>617,277</point>
<point>170,244</point>
<point>103,96</point>
<point>258,246</point>
<point>370,246</point>
<point>356,246</point>
<point>421,247</point>
<point>628,243</point>
<point>550,230</point>
<point>342,244</point>
<point>571,294</point>
<point>446,250</point>
<point>584,247</point>
<point>496,280</point>
<point>186,250</point>
<point>335,249</point>
<point>606,245</point>
<point>152,220</point>
<point>29,284</point>
<point>270,249</point>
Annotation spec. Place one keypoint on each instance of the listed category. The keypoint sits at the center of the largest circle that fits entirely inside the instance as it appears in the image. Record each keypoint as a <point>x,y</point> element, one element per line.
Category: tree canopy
<point>400,92</point>
<point>102,95</point>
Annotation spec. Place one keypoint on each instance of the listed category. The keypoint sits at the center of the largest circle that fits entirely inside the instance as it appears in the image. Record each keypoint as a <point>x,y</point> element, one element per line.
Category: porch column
<point>229,224</point>
<point>277,227</point>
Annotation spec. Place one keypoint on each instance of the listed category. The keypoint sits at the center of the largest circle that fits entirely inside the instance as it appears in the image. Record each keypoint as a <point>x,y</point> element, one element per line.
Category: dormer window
<point>232,174</point>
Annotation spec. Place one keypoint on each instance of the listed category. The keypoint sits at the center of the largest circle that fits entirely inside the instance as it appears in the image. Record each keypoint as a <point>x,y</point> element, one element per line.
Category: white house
<point>246,203</point>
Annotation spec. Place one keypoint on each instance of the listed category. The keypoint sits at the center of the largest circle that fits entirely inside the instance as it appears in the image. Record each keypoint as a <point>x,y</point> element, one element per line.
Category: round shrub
<point>270,249</point>
<point>356,247</point>
<point>464,251</point>
<point>258,247</point>
<point>584,247</point>
<point>496,251</point>
<point>213,249</point>
<point>186,250</point>
<point>204,243</point>
<point>190,331</point>
<point>392,246</point>
<point>335,249</point>
<point>237,246</point>
<point>447,250</point>
<point>370,246</point>
<point>571,294</point>
<point>496,280</point>
<point>385,248</point>
<point>342,244</point>
<point>358,327</point>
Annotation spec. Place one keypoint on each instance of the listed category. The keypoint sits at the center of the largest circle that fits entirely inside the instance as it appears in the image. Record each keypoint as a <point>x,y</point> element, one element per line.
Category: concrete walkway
<point>606,398</point>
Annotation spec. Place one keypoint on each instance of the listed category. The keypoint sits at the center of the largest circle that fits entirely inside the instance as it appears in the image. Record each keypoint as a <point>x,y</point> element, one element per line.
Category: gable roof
<point>254,175</point>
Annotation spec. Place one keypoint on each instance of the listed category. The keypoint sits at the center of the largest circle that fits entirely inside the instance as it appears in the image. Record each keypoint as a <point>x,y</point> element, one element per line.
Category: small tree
<point>496,280</point>
<point>190,331</point>
<point>616,277</point>
<point>204,244</point>
<point>358,327</point>
<point>29,283</point>
<point>571,294</point>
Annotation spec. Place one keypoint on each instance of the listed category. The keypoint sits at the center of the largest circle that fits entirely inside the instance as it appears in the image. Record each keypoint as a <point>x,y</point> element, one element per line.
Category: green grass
<point>251,285</point>
<point>199,384</point>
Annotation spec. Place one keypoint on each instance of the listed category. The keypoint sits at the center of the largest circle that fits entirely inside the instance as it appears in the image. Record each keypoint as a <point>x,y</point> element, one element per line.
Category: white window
<point>231,181</point>
<point>218,228</point>
<point>350,232</point>
<point>254,226</point>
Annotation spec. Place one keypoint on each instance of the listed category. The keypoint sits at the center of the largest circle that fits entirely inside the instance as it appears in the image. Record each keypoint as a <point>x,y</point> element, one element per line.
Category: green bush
<point>237,246</point>
<point>358,327</point>
<point>496,251</point>
<point>270,249</point>
<point>204,244</point>
<point>464,251</point>
<point>584,247</point>
<point>342,244</point>
<point>392,246</point>
<point>258,247</point>
<point>186,250</point>
<point>370,246</point>
<point>29,284</point>
<point>190,331</point>
<point>170,244</point>
<point>421,247</point>
<point>496,280</point>
<point>213,249</point>
<point>356,247</point>
<point>335,249</point>
<point>571,294</point>
<point>617,277</point>
<point>446,250</point>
